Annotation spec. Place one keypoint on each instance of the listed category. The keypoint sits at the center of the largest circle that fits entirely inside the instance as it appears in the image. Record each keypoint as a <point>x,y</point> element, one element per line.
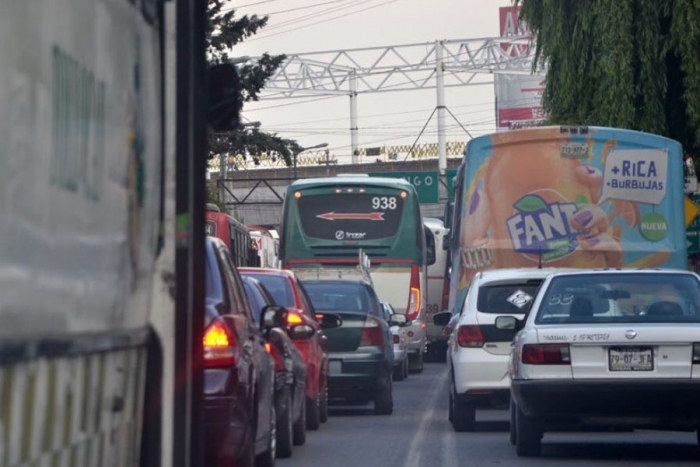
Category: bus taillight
<point>413,307</point>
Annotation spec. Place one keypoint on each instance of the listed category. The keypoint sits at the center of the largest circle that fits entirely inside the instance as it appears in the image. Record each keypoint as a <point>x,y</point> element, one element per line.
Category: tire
<point>299,428</point>
<point>416,364</point>
<point>384,400</point>
<point>450,416</point>
<point>528,435</point>
<point>285,430</point>
<point>513,435</point>
<point>313,413</point>
<point>267,458</point>
<point>323,408</point>
<point>398,372</point>
<point>463,415</point>
<point>405,368</point>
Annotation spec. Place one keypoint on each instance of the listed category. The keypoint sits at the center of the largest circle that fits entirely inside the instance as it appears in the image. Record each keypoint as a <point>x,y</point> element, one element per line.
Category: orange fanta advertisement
<point>571,197</point>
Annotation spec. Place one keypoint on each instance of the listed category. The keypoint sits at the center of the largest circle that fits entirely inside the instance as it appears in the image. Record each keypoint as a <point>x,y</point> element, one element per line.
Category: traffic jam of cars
<point>579,337</point>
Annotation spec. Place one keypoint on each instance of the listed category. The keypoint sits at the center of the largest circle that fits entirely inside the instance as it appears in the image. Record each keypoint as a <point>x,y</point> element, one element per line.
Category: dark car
<point>290,369</point>
<point>360,353</point>
<point>239,374</point>
<point>288,292</point>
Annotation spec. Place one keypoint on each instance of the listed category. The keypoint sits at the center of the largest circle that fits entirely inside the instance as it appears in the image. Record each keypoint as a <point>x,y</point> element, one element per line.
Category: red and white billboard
<point>518,97</point>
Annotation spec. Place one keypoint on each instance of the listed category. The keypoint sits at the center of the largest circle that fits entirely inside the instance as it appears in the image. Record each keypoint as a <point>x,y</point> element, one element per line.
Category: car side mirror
<point>329,320</point>
<point>508,323</point>
<point>274,316</point>
<point>442,319</point>
<point>397,319</point>
<point>301,331</point>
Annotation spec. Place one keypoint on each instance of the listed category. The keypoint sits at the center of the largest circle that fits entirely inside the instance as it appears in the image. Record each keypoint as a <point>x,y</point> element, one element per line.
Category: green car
<point>360,350</point>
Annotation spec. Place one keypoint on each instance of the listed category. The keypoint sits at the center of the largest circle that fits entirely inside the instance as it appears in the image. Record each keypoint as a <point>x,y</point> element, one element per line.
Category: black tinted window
<point>335,296</point>
<point>278,287</point>
<point>507,298</point>
<point>351,217</point>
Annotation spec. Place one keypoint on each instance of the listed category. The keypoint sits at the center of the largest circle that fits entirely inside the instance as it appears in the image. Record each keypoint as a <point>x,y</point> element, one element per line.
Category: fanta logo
<point>541,227</point>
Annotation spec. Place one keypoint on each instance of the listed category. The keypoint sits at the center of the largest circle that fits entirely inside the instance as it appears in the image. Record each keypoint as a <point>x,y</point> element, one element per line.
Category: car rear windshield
<point>279,288</point>
<point>512,298</point>
<point>621,298</point>
<point>335,296</point>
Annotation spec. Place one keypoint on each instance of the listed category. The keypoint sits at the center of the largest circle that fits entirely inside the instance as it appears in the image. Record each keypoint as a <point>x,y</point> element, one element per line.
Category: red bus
<point>234,234</point>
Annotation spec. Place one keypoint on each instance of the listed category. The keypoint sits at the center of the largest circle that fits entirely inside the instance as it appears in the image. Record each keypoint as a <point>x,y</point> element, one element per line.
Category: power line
<point>293,103</point>
<point>303,7</point>
<point>324,21</point>
<point>309,16</point>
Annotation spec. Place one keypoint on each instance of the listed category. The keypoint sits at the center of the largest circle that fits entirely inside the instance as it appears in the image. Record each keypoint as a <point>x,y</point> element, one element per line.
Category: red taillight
<point>294,318</point>
<point>469,335</point>
<point>219,346</point>
<point>696,352</point>
<point>546,354</point>
<point>395,339</point>
<point>275,353</point>
<point>372,334</point>
<point>445,294</point>
<point>413,306</point>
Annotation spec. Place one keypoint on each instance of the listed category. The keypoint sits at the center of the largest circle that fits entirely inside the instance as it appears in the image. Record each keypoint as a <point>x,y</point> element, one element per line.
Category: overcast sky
<point>297,26</point>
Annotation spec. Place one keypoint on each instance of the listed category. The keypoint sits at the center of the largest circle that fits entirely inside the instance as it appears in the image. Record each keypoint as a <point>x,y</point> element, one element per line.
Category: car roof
<point>337,281</point>
<point>588,272</point>
<point>267,271</point>
<point>493,275</point>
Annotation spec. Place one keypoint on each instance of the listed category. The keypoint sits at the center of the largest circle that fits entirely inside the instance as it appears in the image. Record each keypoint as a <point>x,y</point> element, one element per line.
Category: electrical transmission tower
<point>434,65</point>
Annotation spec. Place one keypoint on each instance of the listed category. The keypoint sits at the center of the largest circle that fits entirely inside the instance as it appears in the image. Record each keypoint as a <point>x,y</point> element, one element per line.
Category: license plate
<point>631,359</point>
<point>335,367</point>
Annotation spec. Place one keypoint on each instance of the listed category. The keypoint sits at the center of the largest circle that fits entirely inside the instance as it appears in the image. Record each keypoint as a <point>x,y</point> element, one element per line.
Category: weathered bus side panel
<point>568,197</point>
<point>80,161</point>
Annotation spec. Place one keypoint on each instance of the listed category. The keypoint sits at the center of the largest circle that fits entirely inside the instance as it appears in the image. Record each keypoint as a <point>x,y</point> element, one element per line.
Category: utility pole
<point>440,86</point>
<point>354,144</point>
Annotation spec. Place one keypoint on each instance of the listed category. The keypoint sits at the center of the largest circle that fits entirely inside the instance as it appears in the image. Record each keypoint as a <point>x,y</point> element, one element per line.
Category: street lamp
<point>296,153</point>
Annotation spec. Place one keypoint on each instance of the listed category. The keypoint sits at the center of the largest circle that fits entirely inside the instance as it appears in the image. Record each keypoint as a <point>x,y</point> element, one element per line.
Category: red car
<point>288,292</point>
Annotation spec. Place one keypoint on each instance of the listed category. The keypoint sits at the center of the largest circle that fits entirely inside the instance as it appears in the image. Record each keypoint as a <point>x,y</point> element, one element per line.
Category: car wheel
<point>450,417</point>
<point>313,413</point>
<point>247,457</point>
<point>323,409</point>
<point>416,363</point>
<point>384,400</point>
<point>463,415</point>
<point>398,372</point>
<point>512,423</point>
<point>285,430</point>
<point>528,435</point>
<point>267,458</point>
<point>299,429</point>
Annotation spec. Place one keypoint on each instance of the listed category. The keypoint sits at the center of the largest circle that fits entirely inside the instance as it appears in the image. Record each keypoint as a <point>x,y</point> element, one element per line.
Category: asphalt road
<point>418,434</point>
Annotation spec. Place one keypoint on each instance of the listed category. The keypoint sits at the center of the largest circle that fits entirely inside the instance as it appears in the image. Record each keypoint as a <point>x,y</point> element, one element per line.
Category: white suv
<point>477,354</point>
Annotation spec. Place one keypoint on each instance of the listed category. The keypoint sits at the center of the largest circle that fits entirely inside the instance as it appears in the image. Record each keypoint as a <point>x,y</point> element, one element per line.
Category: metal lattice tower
<point>435,65</point>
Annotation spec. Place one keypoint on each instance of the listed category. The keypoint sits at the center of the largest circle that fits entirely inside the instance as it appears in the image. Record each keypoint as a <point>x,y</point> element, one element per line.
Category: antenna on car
<point>539,262</point>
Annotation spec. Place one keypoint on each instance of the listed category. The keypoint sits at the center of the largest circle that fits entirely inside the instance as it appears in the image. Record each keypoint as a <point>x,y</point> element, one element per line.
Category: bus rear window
<point>350,217</point>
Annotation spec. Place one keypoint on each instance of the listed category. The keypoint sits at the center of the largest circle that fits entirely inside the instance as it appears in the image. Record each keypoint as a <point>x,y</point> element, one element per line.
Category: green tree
<point>621,63</point>
<point>224,31</point>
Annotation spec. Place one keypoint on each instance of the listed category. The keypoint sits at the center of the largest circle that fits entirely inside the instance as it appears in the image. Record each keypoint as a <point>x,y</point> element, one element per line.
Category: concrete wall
<point>254,196</point>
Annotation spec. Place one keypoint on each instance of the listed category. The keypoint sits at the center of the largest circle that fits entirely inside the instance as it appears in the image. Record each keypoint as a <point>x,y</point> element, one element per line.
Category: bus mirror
<point>446,240</point>
<point>224,97</point>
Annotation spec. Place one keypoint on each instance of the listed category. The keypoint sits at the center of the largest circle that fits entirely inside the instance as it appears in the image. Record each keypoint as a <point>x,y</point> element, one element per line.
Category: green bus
<point>327,221</point>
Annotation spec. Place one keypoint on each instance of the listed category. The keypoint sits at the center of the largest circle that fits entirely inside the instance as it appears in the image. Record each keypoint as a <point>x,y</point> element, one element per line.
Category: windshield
<point>329,296</point>
<point>279,288</point>
<point>621,298</point>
